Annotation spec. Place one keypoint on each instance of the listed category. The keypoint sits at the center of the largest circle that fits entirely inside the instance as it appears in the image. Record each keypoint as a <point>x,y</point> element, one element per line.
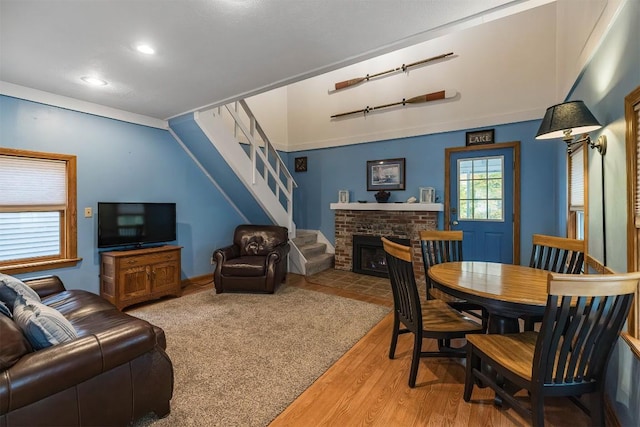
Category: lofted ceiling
<point>208,51</point>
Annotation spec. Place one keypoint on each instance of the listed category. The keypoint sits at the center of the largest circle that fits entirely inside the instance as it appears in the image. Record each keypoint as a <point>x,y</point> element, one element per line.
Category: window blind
<point>576,185</point>
<point>32,182</point>
<point>29,235</point>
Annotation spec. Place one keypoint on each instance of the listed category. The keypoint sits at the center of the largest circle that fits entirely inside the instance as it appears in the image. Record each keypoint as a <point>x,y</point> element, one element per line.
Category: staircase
<point>239,139</point>
<point>318,255</point>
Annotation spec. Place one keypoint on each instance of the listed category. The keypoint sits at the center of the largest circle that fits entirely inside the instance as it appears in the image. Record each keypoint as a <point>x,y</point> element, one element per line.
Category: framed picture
<point>386,174</point>
<point>300,164</point>
<point>427,195</point>
<point>481,137</point>
<point>343,196</point>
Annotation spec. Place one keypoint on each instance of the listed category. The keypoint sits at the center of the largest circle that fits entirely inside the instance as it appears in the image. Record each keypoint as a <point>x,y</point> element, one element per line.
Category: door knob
<point>454,222</point>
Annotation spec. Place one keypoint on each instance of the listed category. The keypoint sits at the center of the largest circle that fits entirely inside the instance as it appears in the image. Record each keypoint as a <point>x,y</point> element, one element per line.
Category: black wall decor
<point>301,164</point>
<point>481,137</point>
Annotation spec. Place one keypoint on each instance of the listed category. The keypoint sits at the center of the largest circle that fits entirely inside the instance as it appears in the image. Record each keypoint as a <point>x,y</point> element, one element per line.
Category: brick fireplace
<point>396,223</point>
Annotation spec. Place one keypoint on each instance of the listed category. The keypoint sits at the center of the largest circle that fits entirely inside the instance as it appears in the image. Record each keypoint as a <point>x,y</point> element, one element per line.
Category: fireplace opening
<point>369,256</point>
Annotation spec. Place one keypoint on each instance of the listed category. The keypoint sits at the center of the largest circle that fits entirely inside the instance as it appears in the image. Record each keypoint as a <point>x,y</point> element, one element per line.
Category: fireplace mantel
<point>409,207</point>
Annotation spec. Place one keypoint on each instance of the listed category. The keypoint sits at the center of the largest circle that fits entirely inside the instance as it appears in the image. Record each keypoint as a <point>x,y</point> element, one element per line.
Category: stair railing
<point>264,157</point>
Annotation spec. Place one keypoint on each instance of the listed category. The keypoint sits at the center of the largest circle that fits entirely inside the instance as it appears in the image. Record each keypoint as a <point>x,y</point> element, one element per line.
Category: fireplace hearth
<point>369,256</point>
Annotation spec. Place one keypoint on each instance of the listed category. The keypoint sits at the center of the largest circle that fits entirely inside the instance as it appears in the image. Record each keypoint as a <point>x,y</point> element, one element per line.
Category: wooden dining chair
<point>556,254</point>
<point>440,246</point>
<point>568,357</point>
<point>429,319</point>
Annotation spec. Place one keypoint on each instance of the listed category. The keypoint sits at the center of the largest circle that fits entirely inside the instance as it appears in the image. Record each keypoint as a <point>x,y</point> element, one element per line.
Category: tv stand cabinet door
<point>133,283</point>
<point>165,277</point>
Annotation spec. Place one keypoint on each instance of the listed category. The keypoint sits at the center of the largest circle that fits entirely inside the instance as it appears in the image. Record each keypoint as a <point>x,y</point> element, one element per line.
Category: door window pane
<point>479,169</point>
<point>480,189</point>
<point>494,187</point>
<point>494,209</point>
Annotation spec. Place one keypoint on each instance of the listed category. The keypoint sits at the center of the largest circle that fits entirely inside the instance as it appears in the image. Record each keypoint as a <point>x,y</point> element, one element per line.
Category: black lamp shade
<point>572,115</point>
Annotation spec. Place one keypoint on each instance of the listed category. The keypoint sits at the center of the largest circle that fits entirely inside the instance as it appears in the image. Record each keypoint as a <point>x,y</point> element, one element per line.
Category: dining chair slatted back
<point>403,285</point>
<point>579,328</point>
<point>428,319</point>
<point>439,246</point>
<point>557,254</point>
<point>569,355</point>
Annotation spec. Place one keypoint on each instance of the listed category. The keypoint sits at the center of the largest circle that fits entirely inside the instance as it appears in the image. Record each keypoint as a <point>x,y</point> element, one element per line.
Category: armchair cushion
<point>245,266</point>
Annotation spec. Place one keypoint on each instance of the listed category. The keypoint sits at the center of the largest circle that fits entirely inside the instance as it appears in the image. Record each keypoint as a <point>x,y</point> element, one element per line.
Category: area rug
<point>241,359</point>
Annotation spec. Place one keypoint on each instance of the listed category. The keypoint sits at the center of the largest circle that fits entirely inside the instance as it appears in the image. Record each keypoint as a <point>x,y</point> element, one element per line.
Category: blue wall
<point>344,168</point>
<point>613,73</point>
<point>119,161</point>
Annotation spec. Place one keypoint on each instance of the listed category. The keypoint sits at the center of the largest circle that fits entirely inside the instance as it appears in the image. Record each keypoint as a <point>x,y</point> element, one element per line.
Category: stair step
<point>319,263</point>
<point>313,249</point>
<point>305,238</point>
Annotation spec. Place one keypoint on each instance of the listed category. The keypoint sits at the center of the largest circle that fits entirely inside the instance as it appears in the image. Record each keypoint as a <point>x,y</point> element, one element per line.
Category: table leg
<point>502,325</point>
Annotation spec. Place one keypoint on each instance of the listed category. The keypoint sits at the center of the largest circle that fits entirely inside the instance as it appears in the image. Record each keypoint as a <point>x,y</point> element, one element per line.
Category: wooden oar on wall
<point>435,96</point>
<point>404,67</point>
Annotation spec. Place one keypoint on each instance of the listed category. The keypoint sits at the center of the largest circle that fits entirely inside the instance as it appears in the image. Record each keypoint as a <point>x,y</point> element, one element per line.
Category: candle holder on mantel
<point>382,196</point>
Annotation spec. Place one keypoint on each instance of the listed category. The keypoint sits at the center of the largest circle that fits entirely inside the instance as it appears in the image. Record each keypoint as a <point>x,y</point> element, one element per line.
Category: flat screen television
<point>135,224</point>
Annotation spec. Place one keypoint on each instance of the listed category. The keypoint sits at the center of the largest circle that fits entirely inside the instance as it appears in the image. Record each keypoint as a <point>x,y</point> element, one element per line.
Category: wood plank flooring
<point>366,388</point>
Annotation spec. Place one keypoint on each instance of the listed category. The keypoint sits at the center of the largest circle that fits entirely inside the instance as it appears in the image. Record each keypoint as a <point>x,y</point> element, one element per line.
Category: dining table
<point>507,291</point>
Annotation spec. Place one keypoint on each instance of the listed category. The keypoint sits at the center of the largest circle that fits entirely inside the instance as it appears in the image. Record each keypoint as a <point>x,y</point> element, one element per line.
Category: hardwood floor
<point>366,388</point>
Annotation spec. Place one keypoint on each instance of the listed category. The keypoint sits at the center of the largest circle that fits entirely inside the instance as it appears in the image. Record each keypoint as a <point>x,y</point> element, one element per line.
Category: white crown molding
<point>22,92</point>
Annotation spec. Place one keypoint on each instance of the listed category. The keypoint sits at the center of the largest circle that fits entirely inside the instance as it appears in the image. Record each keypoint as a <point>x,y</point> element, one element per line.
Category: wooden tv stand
<point>132,276</point>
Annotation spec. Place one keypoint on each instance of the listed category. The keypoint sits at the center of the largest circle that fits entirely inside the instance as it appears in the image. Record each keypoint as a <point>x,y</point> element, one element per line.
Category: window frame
<point>632,117</point>
<point>68,256</point>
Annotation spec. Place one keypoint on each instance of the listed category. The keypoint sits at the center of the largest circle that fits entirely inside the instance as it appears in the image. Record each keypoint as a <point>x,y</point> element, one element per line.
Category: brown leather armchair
<point>256,262</point>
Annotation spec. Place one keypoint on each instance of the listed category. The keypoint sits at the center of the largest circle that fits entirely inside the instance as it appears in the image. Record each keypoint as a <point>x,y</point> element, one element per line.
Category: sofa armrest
<point>228,252</point>
<point>54,369</point>
<point>45,285</point>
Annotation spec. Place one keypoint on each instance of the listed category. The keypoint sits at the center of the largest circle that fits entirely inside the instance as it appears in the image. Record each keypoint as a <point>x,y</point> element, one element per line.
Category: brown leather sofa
<point>115,372</point>
<point>255,262</point>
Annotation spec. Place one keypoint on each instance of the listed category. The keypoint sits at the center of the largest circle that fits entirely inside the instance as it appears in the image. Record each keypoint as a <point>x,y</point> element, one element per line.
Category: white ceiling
<point>208,51</point>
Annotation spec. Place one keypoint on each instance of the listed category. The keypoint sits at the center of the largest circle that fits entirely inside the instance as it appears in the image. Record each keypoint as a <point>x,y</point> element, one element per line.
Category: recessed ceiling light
<point>94,81</point>
<point>146,49</point>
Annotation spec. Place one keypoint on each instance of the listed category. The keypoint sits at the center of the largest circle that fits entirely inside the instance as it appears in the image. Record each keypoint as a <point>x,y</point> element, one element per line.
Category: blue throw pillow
<point>4,309</point>
<point>42,325</point>
<point>10,287</point>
